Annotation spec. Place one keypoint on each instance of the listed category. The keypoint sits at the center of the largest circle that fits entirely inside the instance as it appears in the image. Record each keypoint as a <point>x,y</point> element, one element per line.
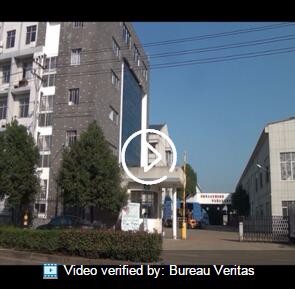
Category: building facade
<point>269,176</point>
<point>58,77</point>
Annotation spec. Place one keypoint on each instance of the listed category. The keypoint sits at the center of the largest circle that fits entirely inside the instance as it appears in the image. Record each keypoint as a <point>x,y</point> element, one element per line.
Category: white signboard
<point>130,217</point>
<point>214,198</point>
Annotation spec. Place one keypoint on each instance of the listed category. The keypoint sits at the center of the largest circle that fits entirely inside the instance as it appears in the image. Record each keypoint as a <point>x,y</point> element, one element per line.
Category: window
<point>136,55</point>
<point>71,137</point>
<point>286,207</point>
<point>78,24</point>
<point>114,116</point>
<point>44,142</point>
<point>40,208</point>
<point>45,119</point>
<point>116,48</point>
<point>31,34</point>
<point>44,161</point>
<point>50,64</point>
<point>115,80</point>
<point>27,68</point>
<point>148,203</point>
<point>3,107</point>
<point>49,80</point>
<point>287,166</point>
<point>126,36</point>
<point>75,56</point>
<point>24,103</point>
<point>74,95</point>
<point>256,184</point>
<point>43,193</point>
<point>10,39</point>
<point>144,71</point>
<point>46,102</point>
<point>6,74</point>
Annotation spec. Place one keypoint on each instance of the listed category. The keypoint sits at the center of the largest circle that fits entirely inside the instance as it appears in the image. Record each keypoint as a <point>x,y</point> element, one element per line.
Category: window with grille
<point>49,80</point>
<point>144,71</point>
<point>126,36</point>
<point>116,48</point>
<point>3,107</point>
<point>31,34</point>
<point>71,137</point>
<point>115,79</point>
<point>24,103</point>
<point>43,193</point>
<point>44,142</point>
<point>74,96</point>
<point>10,41</point>
<point>136,55</point>
<point>78,24</point>
<point>45,119</point>
<point>287,166</point>
<point>50,64</point>
<point>148,203</point>
<point>27,68</point>
<point>6,74</point>
<point>44,161</point>
<point>76,56</point>
<point>46,102</point>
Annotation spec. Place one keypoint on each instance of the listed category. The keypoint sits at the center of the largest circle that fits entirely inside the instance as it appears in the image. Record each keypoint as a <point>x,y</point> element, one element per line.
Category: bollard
<point>241,231</point>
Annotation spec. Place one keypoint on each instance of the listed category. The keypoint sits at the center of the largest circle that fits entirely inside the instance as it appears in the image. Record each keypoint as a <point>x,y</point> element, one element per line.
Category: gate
<point>266,229</point>
<point>291,212</point>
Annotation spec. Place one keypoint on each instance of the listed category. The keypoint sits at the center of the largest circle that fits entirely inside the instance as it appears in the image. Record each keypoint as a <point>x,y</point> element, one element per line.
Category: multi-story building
<point>57,77</point>
<point>269,176</point>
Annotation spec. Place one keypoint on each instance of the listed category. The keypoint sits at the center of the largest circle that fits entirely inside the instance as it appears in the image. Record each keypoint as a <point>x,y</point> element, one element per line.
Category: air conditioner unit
<point>71,103</point>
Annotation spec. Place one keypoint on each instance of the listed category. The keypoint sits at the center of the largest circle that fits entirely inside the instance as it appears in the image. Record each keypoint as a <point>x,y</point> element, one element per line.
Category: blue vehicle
<point>196,216</point>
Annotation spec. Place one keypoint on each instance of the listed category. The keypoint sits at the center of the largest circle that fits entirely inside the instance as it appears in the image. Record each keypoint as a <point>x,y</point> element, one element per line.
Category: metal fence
<point>266,229</point>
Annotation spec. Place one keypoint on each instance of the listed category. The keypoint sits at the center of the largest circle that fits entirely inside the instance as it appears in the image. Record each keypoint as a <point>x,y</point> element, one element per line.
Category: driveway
<point>221,245</point>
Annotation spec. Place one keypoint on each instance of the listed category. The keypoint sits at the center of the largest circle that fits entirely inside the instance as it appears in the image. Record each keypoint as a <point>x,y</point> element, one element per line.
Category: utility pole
<point>183,230</point>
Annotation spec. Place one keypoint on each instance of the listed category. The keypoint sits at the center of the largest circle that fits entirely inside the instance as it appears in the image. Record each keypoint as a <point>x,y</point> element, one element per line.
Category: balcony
<point>21,88</point>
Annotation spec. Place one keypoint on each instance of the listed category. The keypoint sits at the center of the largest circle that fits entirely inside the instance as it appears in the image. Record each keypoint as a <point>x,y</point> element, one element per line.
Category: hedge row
<point>132,246</point>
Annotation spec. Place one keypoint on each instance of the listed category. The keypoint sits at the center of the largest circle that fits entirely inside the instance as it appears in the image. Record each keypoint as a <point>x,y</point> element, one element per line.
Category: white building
<point>163,147</point>
<point>269,176</point>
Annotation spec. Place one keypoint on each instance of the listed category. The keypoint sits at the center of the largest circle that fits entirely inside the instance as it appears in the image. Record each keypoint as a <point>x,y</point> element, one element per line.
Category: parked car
<point>65,222</point>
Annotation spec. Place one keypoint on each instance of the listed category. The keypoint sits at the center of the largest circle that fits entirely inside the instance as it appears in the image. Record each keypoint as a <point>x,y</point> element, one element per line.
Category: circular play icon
<point>148,147</point>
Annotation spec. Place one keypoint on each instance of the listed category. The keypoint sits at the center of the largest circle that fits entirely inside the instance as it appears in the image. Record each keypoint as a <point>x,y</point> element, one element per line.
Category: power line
<point>194,38</point>
<point>185,52</point>
<point>217,35</point>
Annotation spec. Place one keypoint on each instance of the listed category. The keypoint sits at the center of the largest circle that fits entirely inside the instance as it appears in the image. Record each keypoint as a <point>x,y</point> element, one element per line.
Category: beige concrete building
<point>269,176</point>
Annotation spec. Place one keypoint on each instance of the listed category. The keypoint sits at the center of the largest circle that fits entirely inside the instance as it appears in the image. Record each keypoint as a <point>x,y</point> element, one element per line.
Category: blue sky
<point>216,111</point>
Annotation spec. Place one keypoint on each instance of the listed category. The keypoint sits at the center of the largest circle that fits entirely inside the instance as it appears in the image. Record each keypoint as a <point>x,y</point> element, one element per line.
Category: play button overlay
<point>156,161</point>
<point>147,147</point>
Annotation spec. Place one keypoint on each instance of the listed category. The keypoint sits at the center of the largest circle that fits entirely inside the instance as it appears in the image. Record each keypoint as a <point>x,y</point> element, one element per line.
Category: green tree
<point>191,182</point>
<point>240,201</point>
<point>89,175</point>
<point>19,157</point>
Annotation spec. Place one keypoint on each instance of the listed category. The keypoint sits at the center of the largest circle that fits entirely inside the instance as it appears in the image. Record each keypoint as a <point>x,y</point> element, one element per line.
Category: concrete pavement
<point>221,245</point>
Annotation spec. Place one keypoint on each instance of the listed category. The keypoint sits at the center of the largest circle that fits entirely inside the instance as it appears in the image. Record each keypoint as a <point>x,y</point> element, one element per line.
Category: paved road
<point>221,245</point>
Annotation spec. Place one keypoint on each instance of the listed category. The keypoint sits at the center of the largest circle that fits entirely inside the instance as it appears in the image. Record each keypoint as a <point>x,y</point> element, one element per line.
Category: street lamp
<point>261,167</point>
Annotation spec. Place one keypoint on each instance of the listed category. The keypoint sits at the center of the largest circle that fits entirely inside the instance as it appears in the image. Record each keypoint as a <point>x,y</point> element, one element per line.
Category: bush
<point>41,241</point>
<point>139,246</point>
<point>132,246</point>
